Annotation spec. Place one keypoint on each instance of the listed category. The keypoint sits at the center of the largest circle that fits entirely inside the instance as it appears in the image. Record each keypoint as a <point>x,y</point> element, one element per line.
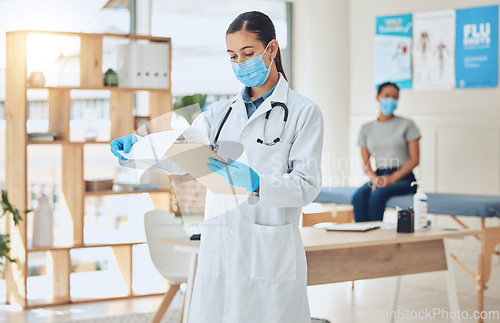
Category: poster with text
<point>477,47</point>
<point>434,50</point>
<point>393,50</point>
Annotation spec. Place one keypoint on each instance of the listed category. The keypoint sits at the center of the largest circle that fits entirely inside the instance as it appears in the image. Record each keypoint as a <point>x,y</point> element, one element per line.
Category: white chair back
<point>171,264</point>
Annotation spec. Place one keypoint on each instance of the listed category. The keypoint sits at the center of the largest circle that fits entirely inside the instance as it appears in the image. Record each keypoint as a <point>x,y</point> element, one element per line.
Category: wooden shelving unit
<point>97,245</point>
<point>73,185</point>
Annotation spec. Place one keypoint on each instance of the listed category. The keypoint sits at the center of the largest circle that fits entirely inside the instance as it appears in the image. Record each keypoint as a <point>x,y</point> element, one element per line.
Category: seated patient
<point>394,144</point>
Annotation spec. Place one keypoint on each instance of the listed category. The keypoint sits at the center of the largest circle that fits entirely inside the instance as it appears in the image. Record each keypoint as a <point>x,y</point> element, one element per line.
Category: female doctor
<point>252,264</point>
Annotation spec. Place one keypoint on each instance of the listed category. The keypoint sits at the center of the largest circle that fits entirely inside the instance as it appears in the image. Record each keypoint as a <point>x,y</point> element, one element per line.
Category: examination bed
<point>481,206</point>
<point>484,206</point>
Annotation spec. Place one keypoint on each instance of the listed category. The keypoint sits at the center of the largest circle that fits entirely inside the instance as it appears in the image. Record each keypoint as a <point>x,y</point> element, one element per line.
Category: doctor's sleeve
<point>302,183</point>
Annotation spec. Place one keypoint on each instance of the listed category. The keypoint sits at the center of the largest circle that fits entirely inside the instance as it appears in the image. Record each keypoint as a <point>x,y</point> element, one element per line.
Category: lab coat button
<point>232,232</point>
<point>245,133</point>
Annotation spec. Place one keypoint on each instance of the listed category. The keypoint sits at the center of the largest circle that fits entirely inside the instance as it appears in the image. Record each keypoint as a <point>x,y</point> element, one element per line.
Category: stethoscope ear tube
<point>215,146</point>
<point>285,108</point>
<point>285,118</point>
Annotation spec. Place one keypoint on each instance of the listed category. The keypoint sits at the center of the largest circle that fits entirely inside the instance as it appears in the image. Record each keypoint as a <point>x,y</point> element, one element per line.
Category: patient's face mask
<point>252,72</point>
<point>388,106</point>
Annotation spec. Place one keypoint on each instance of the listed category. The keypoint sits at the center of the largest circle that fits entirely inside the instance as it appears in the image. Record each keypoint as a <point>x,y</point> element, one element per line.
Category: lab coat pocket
<point>271,159</point>
<point>208,257</point>
<point>273,253</point>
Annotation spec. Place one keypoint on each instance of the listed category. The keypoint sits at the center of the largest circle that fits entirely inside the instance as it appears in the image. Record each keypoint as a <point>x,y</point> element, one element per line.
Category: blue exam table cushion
<point>484,206</point>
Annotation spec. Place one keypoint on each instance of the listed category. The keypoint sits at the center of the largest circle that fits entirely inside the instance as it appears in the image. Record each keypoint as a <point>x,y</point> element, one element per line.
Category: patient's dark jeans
<point>370,205</point>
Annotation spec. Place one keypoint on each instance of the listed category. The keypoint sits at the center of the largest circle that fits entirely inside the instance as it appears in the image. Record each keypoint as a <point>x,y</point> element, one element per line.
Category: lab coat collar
<point>280,94</point>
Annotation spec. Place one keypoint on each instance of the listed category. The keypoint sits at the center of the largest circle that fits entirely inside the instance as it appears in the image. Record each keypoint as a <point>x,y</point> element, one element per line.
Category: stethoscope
<point>215,146</point>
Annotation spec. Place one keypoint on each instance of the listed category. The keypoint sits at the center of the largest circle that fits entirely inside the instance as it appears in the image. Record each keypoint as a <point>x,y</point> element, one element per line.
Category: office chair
<point>172,265</point>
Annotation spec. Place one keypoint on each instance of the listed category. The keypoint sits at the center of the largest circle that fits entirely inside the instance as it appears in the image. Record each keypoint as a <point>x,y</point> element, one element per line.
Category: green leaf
<point>16,217</point>
<point>7,207</point>
<point>4,196</point>
<point>4,248</point>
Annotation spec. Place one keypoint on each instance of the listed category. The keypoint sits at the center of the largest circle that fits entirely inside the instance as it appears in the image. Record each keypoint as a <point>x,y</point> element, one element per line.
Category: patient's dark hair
<point>386,84</point>
<point>261,25</point>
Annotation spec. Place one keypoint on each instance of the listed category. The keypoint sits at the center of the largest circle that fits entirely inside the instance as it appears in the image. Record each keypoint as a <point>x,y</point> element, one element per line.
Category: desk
<point>478,206</point>
<point>373,254</point>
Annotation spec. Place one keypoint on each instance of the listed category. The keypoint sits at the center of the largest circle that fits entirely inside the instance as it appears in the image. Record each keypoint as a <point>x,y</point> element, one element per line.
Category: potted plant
<point>189,106</point>
<point>7,208</point>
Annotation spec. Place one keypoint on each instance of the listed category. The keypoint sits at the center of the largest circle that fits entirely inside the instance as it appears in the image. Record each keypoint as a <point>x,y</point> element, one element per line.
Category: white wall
<point>321,72</point>
<point>460,146</point>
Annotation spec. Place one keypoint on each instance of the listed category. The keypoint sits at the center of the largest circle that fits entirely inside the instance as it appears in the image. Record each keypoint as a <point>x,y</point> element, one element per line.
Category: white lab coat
<point>252,264</point>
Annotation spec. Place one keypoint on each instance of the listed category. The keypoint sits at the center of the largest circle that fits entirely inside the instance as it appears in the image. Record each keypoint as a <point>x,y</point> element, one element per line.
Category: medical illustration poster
<point>393,50</point>
<point>477,47</point>
<point>434,50</point>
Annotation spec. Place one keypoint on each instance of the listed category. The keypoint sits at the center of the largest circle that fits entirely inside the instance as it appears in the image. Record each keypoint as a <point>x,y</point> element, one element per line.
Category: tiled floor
<point>421,294</point>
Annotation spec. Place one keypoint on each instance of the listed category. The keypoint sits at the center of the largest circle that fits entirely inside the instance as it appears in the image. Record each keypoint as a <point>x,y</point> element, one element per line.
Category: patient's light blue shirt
<point>254,105</point>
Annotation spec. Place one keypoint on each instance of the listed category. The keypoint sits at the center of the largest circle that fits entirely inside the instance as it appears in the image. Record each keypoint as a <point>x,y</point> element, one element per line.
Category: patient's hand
<point>385,180</point>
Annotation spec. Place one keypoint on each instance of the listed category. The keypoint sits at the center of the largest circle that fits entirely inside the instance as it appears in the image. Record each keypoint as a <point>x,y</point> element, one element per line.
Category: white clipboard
<point>193,158</point>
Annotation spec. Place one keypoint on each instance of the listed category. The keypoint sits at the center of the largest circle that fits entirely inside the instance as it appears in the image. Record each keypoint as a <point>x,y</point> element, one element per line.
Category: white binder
<point>155,60</point>
<point>126,65</point>
<point>143,65</point>
<point>164,66</point>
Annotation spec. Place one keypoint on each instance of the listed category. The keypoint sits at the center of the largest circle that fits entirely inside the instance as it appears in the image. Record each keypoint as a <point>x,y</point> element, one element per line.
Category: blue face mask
<point>388,106</point>
<point>252,72</point>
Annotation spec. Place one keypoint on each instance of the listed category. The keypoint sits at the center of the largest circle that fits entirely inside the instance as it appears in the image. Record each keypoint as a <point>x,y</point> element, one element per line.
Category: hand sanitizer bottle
<point>420,207</point>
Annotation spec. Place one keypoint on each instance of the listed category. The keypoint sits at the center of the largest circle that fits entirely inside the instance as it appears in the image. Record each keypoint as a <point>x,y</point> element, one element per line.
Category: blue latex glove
<point>124,143</point>
<point>236,173</point>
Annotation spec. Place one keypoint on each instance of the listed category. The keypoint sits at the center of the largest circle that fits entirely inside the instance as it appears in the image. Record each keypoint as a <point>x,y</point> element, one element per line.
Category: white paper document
<point>177,151</point>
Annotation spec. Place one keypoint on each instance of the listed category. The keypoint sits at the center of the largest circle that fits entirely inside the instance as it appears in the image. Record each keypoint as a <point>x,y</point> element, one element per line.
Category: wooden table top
<point>320,239</point>
<point>181,241</point>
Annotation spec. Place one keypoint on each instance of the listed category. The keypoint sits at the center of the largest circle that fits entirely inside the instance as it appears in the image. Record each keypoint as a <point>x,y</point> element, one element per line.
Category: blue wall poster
<point>393,50</point>
<point>477,47</point>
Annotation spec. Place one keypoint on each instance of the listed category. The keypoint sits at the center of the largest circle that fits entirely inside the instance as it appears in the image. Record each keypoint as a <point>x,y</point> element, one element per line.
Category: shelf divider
<point>59,267</point>
<point>110,192</point>
<point>16,113</point>
<point>121,105</point>
<point>160,114</point>
<point>123,258</point>
<point>85,246</point>
<point>59,112</point>
<point>73,187</point>
<point>91,61</point>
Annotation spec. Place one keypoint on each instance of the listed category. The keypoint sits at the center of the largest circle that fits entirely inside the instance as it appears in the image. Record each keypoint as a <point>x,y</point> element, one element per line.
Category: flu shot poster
<point>393,50</point>
<point>477,47</point>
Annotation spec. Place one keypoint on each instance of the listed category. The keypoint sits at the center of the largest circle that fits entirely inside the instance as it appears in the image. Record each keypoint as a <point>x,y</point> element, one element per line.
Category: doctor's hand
<point>236,173</point>
<point>124,143</point>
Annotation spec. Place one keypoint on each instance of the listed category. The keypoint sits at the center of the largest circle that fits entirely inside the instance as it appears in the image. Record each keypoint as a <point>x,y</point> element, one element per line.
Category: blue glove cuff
<point>255,181</point>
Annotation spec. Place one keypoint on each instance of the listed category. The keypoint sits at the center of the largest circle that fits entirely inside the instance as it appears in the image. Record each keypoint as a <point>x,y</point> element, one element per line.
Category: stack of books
<point>42,136</point>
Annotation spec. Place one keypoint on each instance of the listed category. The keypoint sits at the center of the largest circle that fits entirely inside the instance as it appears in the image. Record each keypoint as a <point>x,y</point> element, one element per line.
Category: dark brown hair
<point>381,86</point>
<point>261,25</point>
